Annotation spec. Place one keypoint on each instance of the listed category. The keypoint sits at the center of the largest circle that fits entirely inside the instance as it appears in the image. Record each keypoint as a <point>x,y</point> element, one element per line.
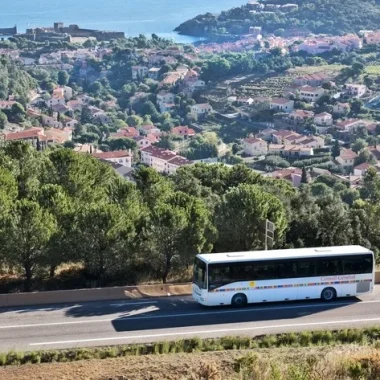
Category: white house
<point>349,124</point>
<point>323,119</point>
<point>255,147</point>
<point>165,97</point>
<point>69,122</point>
<point>201,109</point>
<point>290,150</point>
<point>372,38</point>
<point>163,160</point>
<point>67,92</point>
<point>300,116</point>
<point>101,117</point>
<point>51,121</point>
<point>282,105</point>
<point>166,107</point>
<point>346,158</point>
<point>195,84</point>
<point>54,100</point>
<point>361,170</point>
<point>309,93</point>
<point>154,73</point>
<point>176,162</point>
<point>6,104</point>
<point>139,72</point>
<point>142,142</point>
<point>75,105</point>
<point>356,90</point>
<point>122,157</point>
<point>341,108</point>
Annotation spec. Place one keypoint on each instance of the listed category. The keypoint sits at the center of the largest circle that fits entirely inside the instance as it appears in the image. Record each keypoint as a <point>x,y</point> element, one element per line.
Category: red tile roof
<point>161,153</point>
<point>303,113</point>
<point>115,154</point>
<point>347,154</point>
<point>285,133</point>
<point>323,114</point>
<point>363,166</point>
<point>179,161</point>
<point>183,131</point>
<point>345,123</point>
<point>280,101</point>
<point>129,132</point>
<point>24,135</point>
<point>252,140</point>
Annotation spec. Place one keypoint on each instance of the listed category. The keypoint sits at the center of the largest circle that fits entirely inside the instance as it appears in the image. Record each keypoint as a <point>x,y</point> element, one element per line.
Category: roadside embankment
<point>101,294</point>
<point>97,294</point>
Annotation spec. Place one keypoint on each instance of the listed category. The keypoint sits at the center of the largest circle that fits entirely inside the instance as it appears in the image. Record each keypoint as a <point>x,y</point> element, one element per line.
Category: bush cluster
<point>367,336</point>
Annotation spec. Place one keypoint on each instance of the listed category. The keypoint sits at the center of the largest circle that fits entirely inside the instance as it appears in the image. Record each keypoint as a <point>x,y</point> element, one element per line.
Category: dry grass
<point>316,363</point>
<point>330,69</point>
<point>373,70</point>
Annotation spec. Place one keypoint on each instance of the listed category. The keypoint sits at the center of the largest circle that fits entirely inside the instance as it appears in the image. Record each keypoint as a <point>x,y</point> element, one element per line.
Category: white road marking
<point>90,305</point>
<point>207,331</point>
<point>126,303</point>
<point>203,313</point>
<point>35,309</point>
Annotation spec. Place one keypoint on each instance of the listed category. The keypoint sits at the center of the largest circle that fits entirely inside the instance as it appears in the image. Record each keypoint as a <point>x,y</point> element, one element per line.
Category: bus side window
<point>286,269</point>
<point>356,265</point>
<point>266,270</point>
<point>306,268</point>
<point>329,267</point>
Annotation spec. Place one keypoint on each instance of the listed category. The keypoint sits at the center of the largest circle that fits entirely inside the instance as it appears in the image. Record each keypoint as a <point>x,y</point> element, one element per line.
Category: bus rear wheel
<point>239,300</point>
<point>328,294</point>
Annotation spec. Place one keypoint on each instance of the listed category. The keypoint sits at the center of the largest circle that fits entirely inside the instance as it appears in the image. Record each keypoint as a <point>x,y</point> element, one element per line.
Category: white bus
<point>239,278</point>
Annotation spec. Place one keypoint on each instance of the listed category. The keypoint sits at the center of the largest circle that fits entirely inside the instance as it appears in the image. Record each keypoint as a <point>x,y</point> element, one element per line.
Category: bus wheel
<point>239,300</point>
<point>328,294</point>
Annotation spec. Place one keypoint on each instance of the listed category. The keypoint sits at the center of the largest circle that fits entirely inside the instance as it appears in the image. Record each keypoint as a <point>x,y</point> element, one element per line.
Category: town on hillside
<point>292,107</point>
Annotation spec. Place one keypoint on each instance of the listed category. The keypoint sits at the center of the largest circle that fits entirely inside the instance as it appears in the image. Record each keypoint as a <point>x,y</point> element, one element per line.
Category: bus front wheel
<point>239,300</point>
<point>328,294</point>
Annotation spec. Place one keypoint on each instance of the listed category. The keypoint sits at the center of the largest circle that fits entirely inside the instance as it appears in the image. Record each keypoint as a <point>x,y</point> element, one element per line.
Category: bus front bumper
<point>199,297</point>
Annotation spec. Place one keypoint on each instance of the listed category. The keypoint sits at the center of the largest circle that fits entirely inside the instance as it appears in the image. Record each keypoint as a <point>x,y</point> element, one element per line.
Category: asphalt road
<point>148,320</point>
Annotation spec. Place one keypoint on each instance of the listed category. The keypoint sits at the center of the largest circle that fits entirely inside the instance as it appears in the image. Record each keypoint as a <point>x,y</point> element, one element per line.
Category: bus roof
<point>282,254</point>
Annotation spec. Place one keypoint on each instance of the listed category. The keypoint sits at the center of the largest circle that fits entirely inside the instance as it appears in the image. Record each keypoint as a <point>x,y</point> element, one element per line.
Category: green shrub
<point>3,359</point>
<point>305,338</point>
<point>366,337</point>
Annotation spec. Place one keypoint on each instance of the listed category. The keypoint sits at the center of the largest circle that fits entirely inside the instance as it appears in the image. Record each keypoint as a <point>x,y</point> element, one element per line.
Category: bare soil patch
<point>172,366</point>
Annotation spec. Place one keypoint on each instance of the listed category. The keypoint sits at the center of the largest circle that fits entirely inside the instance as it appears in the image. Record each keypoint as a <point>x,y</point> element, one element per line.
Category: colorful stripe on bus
<point>290,285</point>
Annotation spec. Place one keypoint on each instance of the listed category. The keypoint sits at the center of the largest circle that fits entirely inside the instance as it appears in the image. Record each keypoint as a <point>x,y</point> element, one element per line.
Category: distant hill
<point>319,16</point>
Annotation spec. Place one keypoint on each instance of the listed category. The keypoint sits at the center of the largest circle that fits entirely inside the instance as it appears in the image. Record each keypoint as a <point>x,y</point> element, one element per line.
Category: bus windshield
<point>200,277</point>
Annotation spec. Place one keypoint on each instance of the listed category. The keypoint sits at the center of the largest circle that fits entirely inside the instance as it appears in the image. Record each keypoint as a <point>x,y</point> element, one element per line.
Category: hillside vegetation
<point>319,16</point>
<point>14,81</point>
<point>58,207</point>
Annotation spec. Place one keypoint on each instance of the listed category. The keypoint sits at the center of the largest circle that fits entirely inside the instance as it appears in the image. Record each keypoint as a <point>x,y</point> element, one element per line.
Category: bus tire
<point>239,300</point>
<point>328,294</point>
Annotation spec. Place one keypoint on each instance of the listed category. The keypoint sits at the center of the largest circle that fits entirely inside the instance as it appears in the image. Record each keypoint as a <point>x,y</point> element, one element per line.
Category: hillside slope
<point>319,16</point>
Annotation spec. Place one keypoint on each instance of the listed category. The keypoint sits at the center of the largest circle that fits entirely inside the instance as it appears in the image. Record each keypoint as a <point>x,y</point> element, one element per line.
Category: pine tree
<point>304,175</point>
<point>335,149</point>
<point>38,147</point>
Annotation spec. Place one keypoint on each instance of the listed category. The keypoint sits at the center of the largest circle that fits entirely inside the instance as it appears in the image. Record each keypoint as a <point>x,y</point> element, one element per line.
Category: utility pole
<point>269,230</point>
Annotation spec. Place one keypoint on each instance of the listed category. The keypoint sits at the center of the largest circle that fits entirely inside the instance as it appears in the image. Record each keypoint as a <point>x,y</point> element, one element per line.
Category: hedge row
<point>367,336</point>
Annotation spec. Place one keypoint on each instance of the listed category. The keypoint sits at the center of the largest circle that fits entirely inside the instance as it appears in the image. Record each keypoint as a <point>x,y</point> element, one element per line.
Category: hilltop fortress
<point>8,31</point>
<point>62,33</point>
